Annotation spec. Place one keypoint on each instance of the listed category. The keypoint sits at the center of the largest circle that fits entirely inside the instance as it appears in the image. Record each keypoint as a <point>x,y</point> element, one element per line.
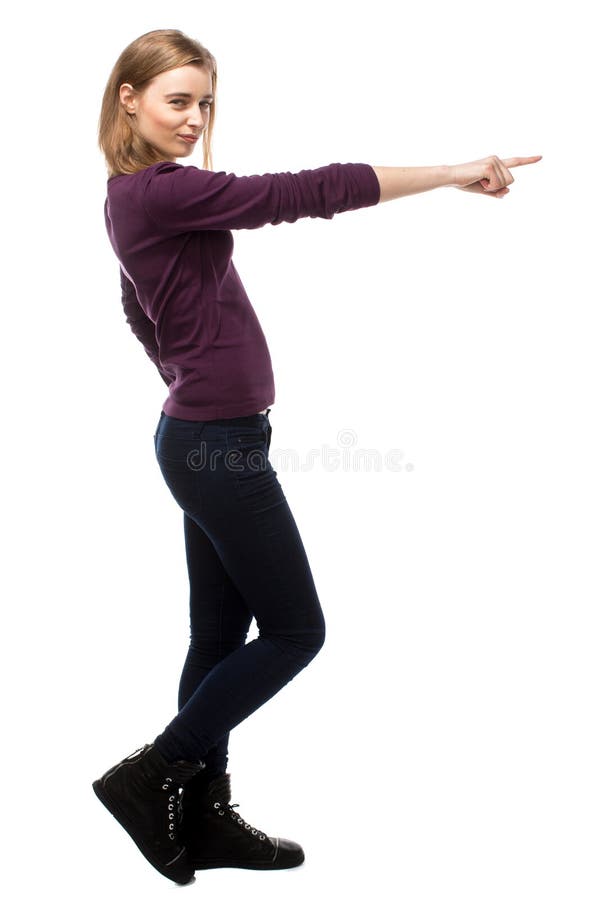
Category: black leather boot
<point>142,792</point>
<point>215,836</point>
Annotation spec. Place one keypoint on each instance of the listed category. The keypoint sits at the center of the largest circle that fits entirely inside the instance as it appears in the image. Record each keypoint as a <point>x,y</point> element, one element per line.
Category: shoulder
<point>162,167</point>
<point>145,175</point>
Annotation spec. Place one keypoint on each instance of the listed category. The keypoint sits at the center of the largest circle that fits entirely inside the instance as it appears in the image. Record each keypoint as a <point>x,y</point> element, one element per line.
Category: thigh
<point>259,543</point>
<point>220,475</point>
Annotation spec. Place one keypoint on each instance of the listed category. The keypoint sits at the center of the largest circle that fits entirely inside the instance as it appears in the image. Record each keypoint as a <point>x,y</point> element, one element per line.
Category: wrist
<point>446,176</point>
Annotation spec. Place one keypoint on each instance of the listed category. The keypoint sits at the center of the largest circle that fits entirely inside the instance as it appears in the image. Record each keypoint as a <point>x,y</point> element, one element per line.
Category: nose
<point>198,120</point>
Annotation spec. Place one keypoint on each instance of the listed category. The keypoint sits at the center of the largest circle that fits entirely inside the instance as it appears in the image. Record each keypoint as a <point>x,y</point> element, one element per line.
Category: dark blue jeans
<point>245,559</point>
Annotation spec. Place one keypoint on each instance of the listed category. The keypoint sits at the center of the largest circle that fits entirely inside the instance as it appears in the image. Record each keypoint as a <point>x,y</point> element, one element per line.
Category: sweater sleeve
<point>140,324</point>
<point>185,198</point>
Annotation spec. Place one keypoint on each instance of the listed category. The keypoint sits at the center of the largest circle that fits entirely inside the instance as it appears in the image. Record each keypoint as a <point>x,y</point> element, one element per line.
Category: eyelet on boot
<point>165,787</point>
<point>171,816</point>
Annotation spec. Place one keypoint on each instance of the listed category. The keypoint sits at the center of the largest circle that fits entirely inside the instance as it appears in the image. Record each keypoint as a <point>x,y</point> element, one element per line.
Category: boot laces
<point>238,819</point>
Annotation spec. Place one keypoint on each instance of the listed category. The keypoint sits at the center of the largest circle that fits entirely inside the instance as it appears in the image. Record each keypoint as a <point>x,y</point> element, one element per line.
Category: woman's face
<point>175,103</point>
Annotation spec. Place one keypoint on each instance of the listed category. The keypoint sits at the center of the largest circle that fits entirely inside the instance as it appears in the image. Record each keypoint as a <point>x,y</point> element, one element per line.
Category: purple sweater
<point>169,226</point>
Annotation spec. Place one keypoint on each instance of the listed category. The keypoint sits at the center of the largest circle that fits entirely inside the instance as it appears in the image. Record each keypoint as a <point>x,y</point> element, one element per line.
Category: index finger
<point>520,161</point>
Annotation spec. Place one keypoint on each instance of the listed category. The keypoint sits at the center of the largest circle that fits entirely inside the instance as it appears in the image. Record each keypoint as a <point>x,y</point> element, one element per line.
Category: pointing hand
<point>488,176</point>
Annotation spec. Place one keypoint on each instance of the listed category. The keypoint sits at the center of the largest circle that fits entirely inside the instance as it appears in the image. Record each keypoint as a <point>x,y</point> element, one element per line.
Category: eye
<point>203,103</point>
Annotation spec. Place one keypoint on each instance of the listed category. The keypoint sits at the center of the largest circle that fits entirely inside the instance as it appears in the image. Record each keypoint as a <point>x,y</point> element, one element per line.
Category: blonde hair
<point>124,148</point>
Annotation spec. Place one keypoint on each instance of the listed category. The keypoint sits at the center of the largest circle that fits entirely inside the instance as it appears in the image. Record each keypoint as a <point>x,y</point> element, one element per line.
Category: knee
<point>309,642</point>
<point>310,636</point>
<point>318,639</point>
<point>304,645</point>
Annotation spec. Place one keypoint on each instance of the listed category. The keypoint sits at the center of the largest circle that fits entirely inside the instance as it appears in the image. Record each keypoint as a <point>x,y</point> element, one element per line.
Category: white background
<point>445,742</point>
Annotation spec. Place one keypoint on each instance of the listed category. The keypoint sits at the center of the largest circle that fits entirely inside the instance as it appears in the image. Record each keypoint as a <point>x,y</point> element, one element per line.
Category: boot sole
<point>125,822</point>
<point>263,864</point>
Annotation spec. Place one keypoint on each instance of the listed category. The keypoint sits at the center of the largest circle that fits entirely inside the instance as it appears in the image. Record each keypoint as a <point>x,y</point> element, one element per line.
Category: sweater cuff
<point>369,184</point>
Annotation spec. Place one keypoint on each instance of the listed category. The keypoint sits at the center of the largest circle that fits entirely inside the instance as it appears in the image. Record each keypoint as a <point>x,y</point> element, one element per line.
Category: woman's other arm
<point>140,324</point>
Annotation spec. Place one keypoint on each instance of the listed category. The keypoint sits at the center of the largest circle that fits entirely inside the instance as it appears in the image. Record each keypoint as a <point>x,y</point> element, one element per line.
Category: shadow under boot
<point>216,836</point>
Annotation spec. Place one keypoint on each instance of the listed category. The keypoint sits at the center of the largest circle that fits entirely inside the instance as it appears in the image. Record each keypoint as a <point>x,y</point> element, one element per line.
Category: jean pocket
<point>246,437</point>
<point>178,449</point>
<point>250,440</point>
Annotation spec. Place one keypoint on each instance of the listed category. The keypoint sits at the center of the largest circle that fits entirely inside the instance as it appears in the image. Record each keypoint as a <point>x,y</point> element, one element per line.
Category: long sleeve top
<point>170,228</point>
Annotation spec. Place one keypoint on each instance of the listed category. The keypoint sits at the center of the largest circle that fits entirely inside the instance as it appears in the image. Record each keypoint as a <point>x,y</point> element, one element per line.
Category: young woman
<point>170,227</point>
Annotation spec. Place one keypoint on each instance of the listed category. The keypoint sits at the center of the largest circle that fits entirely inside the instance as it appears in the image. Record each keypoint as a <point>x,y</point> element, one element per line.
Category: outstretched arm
<point>181,198</point>
<point>484,176</point>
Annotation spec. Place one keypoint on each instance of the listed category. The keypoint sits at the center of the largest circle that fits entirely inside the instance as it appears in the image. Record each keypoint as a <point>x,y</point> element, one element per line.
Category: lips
<point>189,137</point>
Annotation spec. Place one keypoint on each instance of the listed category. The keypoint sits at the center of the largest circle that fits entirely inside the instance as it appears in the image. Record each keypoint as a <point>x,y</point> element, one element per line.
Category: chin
<point>181,153</point>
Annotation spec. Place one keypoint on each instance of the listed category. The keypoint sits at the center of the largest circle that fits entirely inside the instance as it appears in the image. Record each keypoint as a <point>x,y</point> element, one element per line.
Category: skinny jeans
<point>245,560</point>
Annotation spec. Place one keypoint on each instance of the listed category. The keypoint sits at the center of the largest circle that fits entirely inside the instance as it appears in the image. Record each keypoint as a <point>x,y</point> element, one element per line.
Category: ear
<point>127,98</point>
